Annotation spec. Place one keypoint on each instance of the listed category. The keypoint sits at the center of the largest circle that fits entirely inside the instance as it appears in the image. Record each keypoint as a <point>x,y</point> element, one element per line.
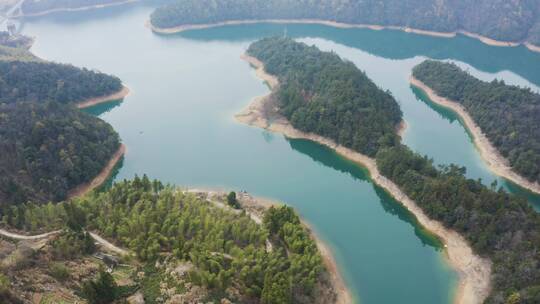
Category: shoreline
<point>497,163</point>
<point>255,207</point>
<point>123,93</point>
<point>343,294</point>
<point>101,177</point>
<point>474,272</point>
<point>483,39</point>
<point>75,9</point>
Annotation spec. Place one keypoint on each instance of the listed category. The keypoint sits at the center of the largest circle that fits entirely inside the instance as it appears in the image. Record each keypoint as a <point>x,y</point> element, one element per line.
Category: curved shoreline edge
<point>343,293</point>
<point>248,203</point>
<point>256,205</point>
<point>101,177</point>
<point>497,163</point>
<point>474,271</point>
<point>75,9</point>
<point>123,93</point>
<point>483,39</point>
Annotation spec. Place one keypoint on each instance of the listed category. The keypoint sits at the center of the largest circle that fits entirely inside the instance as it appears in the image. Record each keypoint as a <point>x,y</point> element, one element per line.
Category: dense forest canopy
<point>508,115</point>
<point>46,81</point>
<point>226,248</point>
<point>48,149</point>
<point>323,94</point>
<point>498,225</point>
<point>497,19</point>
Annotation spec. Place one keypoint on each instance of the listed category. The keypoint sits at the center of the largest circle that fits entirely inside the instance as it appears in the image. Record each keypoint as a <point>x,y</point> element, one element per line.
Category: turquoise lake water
<point>178,126</point>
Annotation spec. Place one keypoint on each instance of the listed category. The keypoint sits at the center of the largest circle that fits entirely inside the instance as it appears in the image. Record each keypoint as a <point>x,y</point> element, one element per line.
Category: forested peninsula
<point>322,94</point>
<point>46,81</point>
<point>183,247</point>
<point>507,115</point>
<point>48,149</point>
<point>498,22</point>
<point>500,227</point>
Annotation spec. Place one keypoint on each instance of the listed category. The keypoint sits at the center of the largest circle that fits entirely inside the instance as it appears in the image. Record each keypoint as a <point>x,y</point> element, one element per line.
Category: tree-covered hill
<point>46,81</point>
<point>498,19</point>
<point>508,115</point>
<point>48,149</point>
<point>201,252</point>
<point>323,94</point>
<point>498,225</point>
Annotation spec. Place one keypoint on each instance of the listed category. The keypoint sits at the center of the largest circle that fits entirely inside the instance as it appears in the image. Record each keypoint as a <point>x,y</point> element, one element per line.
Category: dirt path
<point>103,242</point>
<point>103,99</point>
<point>101,177</point>
<point>495,161</point>
<point>17,236</point>
<point>474,271</point>
<point>109,246</point>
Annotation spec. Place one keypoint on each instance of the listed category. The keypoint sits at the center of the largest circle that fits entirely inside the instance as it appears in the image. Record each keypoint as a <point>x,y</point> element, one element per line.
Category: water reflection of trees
<point>327,157</point>
<point>103,108</point>
<point>390,44</point>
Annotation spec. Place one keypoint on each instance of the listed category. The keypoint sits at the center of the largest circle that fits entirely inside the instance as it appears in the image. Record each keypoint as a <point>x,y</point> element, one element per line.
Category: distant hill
<point>516,21</point>
<point>33,7</point>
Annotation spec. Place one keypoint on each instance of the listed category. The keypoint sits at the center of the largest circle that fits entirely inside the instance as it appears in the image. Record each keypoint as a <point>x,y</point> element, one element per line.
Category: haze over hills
<point>515,21</point>
<point>359,178</point>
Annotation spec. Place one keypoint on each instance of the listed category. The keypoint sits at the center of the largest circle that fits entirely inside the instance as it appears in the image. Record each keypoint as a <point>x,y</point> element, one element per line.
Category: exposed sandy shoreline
<point>255,207</point>
<point>101,177</point>
<point>343,294</point>
<point>187,27</point>
<point>483,39</point>
<point>474,271</point>
<point>103,99</point>
<point>83,8</point>
<point>496,162</point>
<point>533,47</point>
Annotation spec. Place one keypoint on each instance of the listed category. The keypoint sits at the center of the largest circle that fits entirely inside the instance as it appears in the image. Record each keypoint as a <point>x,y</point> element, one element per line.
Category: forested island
<point>320,93</point>
<point>498,226</point>
<point>182,246</point>
<point>48,149</point>
<point>47,81</point>
<point>506,114</point>
<point>500,20</point>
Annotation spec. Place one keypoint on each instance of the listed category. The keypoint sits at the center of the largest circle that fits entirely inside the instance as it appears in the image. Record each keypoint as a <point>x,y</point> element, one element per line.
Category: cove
<point>178,126</point>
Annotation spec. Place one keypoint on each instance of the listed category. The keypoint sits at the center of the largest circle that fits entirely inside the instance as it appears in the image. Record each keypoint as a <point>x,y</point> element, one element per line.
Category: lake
<point>178,126</point>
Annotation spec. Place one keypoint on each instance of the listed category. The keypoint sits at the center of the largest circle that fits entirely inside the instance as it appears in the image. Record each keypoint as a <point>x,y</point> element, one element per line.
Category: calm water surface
<point>178,125</point>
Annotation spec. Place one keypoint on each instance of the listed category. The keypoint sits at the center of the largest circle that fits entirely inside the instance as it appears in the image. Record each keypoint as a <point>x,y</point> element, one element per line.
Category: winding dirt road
<point>103,242</point>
